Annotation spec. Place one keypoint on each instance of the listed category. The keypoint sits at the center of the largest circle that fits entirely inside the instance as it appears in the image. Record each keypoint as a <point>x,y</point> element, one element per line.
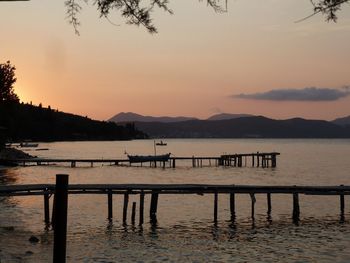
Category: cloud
<point>306,94</point>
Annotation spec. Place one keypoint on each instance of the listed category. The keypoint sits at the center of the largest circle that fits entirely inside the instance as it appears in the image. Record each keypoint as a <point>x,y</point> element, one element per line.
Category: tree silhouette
<point>7,80</point>
<point>138,12</point>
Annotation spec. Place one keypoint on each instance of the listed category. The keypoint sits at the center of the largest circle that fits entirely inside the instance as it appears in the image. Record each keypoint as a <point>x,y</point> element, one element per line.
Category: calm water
<point>185,230</point>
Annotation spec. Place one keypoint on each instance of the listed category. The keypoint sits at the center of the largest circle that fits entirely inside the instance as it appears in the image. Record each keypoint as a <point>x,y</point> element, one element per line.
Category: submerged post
<point>60,230</point>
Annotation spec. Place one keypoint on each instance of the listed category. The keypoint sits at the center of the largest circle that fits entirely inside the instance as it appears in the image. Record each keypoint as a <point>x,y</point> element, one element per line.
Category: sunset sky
<point>253,59</point>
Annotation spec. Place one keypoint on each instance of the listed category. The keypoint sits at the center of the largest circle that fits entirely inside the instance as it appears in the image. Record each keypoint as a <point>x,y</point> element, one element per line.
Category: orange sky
<point>191,67</point>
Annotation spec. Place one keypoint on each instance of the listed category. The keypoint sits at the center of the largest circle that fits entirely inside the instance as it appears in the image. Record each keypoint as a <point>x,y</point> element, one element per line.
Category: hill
<point>134,117</point>
<point>227,116</point>
<point>245,127</point>
<point>27,122</point>
<point>342,121</point>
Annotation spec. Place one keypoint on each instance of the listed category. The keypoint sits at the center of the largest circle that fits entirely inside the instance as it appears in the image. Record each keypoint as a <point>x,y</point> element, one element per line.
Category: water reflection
<point>8,176</point>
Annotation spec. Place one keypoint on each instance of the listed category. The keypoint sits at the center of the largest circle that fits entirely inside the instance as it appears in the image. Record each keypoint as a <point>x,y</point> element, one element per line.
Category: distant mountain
<point>342,121</point>
<point>245,127</point>
<point>133,117</point>
<point>227,116</point>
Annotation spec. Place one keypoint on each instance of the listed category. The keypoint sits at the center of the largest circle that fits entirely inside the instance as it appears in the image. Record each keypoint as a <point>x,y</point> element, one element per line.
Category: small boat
<point>161,143</point>
<point>148,158</point>
<point>28,144</point>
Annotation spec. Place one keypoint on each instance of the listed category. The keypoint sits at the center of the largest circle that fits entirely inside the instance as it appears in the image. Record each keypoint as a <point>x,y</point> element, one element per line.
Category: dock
<point>263,160</point>
<point>156,190</point>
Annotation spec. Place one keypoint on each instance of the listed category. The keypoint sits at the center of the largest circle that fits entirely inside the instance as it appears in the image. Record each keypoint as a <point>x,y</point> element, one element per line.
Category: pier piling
<point>110,204</point>
<point>133,212</point>
<point>47,208</point>
<point>215,207</point>
<point>154,206</point>
<point>296,208</point>
<point>60,230</point>
<point>125,207</point>
<point>232,206</point>
<point>142,203</point>
<point>269,204</point>
<point>253,200</point>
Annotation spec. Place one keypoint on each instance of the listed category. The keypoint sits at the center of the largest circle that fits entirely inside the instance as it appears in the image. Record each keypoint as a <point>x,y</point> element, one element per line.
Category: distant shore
<point>12,153</point>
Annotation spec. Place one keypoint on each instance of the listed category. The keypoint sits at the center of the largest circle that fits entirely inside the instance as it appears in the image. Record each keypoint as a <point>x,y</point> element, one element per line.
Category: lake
<point>185,230</point>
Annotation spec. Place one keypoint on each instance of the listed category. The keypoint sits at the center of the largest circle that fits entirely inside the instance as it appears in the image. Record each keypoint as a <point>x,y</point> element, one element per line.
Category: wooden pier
<point>156,190</point>
<point>257,159</point>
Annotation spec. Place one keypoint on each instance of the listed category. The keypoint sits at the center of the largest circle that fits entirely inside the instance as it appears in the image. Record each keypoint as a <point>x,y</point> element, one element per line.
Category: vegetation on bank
<point>20,122</point>
<point>28,122</point>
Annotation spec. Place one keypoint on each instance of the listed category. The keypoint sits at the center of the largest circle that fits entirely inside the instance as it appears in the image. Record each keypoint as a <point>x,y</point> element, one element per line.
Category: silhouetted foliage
<point>135,12</point>
<point>138,12</point>
<point>7,80</point>
<point>28,122</point>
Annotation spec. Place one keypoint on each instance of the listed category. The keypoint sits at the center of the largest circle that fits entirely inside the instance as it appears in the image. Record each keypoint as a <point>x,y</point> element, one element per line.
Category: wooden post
<point>142,202</point>
<point>60,230</point>
<point>269,203</point>
<point>257,159</point>
<point>133,211</point>
<point>153,207</point>
<point>215,207</point>
<point>193,162</point>
<point>92,164</point>
<point>47,208</point>
<point>110,205</point>
<point>232,206</point>
<point>53,216</point>
<point>252,197</point>
<point>273,161</point>
<point>296,208</point>
<point>342,204</point>
<point>253,160</point>
<point>163,164</point>
<point>125,206</point>
<point>174,163</point>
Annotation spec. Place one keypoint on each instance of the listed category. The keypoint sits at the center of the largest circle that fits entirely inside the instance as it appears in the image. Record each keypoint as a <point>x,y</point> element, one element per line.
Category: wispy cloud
<point>306,94</point>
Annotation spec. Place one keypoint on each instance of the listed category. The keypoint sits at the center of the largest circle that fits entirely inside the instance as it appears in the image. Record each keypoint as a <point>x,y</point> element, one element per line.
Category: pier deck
<point>154,190</point>
<point>257,159</point>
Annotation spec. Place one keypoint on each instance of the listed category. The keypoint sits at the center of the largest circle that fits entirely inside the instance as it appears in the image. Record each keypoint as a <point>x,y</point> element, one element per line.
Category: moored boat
<point>161,143</point>
<point>148,158</point>
<point>28,144</point>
